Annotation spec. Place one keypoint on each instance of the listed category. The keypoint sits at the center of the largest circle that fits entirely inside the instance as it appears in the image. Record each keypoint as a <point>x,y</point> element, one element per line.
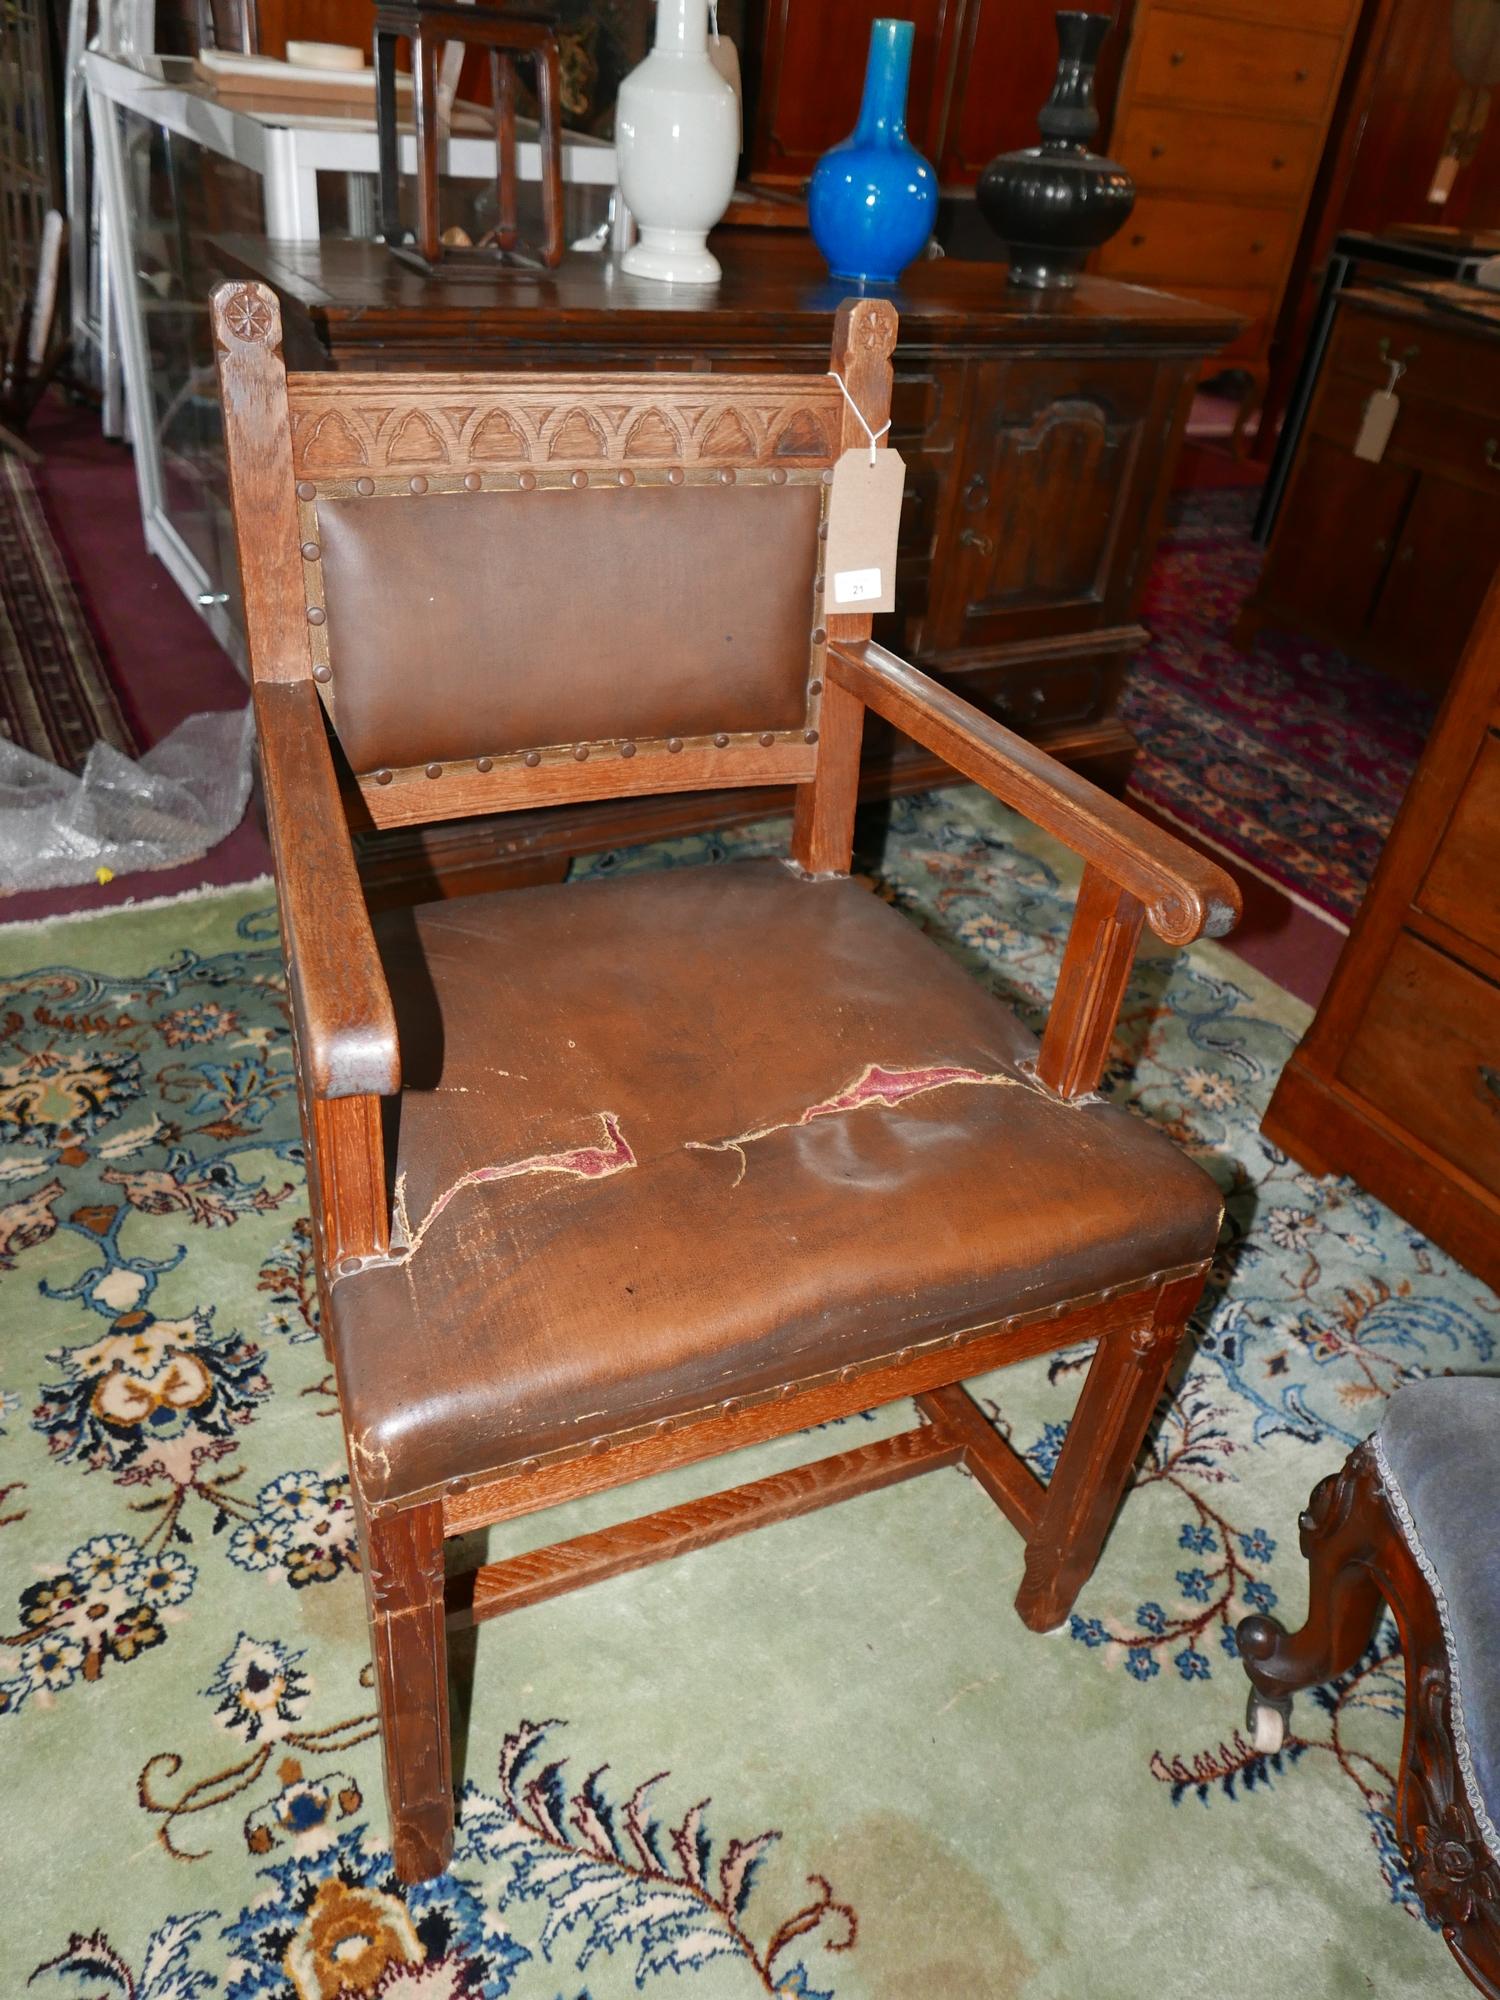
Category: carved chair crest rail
<point>612,1177</point>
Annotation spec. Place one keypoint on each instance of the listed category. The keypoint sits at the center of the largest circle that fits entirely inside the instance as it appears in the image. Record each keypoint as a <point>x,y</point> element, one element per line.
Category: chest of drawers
<point>1223,110</point>
<point>1397,1082</point>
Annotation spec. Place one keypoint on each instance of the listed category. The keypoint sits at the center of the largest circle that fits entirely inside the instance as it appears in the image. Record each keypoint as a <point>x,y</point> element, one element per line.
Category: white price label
<point>855,586</point>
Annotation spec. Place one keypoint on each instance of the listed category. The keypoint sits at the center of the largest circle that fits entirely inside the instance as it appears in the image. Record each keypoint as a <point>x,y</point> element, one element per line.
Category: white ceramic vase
<point>677,143</point>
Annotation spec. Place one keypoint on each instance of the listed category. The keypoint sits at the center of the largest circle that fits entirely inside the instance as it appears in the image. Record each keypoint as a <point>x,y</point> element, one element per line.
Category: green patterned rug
<point>825,1759</point>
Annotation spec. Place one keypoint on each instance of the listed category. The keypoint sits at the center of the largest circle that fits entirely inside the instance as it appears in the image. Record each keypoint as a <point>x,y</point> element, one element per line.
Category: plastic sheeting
<point>179,800</point>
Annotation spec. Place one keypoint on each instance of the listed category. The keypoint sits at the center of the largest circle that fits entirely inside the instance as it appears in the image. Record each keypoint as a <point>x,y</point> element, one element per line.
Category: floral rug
<point>822,1760</point>
<point>1291,757</point>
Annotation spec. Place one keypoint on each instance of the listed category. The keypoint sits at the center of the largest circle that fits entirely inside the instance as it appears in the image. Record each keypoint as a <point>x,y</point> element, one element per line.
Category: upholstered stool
<point>1413,1521</point>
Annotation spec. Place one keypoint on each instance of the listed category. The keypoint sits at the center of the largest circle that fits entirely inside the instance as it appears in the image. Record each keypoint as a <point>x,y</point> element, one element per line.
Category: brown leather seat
<point>677,1137</point>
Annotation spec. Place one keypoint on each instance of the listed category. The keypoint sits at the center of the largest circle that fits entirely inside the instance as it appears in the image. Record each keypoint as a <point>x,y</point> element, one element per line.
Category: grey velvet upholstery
<point>1438,1449</point>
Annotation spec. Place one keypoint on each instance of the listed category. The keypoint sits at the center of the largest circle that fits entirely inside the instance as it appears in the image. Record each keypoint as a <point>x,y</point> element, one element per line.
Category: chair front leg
<point>1124,1383</point>
<point>1343,1532</point>
<point>408,1636</point>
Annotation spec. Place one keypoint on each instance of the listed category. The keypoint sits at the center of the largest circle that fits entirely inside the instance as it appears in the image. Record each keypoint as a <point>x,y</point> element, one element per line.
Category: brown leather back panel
<point>466,624</point>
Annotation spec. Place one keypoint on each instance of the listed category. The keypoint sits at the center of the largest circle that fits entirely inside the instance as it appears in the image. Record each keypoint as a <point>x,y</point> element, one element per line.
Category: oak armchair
<point>612,1177</point>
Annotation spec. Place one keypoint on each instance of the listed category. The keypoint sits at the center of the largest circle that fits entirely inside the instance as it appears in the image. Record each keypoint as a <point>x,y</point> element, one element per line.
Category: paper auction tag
<point>864,519</point>
<point>1376,425</point>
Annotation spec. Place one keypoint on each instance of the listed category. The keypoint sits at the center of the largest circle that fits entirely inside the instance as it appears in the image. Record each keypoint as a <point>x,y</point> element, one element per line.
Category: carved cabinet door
<point>1046,518</point>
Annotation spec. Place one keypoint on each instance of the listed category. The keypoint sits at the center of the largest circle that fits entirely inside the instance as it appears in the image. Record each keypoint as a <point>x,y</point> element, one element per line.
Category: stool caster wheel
<point>1267,1720</point>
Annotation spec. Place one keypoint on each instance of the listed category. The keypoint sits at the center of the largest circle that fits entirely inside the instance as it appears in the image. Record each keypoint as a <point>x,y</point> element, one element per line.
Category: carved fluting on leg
<point>1339,1527</point>
<point>404,1575</point>
<point>1120,1392</point>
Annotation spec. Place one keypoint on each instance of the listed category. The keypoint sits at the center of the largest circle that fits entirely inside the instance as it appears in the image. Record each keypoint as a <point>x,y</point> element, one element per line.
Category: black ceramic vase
<point>1052,204</point>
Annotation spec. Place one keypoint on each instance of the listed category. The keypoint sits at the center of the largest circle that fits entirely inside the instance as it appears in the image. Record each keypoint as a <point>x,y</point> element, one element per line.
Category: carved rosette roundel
<point>249,316</point>
<point>874,329</point>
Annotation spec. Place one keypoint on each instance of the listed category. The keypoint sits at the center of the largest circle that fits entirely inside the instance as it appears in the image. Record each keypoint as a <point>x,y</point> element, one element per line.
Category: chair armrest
<point>1184,894</point>
<point>341,1004</point>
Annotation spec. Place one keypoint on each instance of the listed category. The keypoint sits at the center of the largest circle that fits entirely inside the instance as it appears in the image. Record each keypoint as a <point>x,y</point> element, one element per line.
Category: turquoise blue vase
<point>873,199</point>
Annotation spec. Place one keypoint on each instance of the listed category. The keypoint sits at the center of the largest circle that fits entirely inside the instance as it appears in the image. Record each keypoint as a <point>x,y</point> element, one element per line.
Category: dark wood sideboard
<point>1039,433</point>
<point>1391,560</point>
<point>1397,1082</point>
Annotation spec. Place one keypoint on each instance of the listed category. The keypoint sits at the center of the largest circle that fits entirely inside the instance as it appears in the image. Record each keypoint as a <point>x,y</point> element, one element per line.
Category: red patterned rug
<point>1292,758</point>
<point>56,699</point>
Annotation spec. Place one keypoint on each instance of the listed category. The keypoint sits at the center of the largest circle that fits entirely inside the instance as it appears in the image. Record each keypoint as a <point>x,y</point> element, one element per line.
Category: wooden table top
<point>775,288</point>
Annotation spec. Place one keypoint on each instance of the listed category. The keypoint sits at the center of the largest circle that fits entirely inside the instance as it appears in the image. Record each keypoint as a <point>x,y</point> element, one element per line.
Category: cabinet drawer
<point>1202,243</point>
<point>1443,367</point>
<point>1032,698</point>
<point>1182,152</point>
<point>1332,17</point>
<point>1187,58</point>
<point>1427,1054</point>
<point>1459,887</point>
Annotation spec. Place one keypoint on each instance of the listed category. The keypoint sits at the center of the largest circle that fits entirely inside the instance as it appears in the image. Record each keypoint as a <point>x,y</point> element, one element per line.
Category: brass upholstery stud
<point>578,479</point>
<point>580,753</point>
<point>533,758</point>
<point>674,744</point>
<point>365,486</point>
<point>822,531</point>
<point>322,673</point>
<point>767,739</point>
<point>722,740</point>
<point>434,770</point>
<point>778,475</point>
<point>809,736</point>
<point>726,475</point>
<point>484,763</point>
<point>828,475</point>
<point>310,552</point>
<point>627,477</point>
<point>815,687</point>
<point>417,483</point>
<point>472,482</point>
<point>820,634</point>
<point>674,475</point>
<point>316,614</point>
<point>348,1265</point>
<point>627,749</point>
<point>526,481</point>
<point>306,490</point>
<point>383,777</point>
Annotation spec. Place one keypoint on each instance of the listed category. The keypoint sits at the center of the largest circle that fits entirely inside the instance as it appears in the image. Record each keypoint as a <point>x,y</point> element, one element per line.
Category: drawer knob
<point>1256,248</point>
<point>972,539</point>
<point>1489,1076</point>
<point>1299,76</point>
<point>1179,56</point>
<point>1277,163</point>
<point>1157,151</point>
<point>1492,454</point>
<point>1406,354</point>
<point>1405,555</point>
<point>1137,240</point>
<point>1382,543</point>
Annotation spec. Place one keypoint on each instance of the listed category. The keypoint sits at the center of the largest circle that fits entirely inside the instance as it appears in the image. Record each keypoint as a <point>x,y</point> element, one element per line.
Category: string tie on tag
<point>873,436</point>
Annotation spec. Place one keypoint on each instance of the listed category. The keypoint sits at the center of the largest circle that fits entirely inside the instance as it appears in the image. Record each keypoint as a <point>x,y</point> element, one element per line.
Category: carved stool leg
<point>1120,1391</point>
<point>1342,1528</point>
<point>404,1578</point>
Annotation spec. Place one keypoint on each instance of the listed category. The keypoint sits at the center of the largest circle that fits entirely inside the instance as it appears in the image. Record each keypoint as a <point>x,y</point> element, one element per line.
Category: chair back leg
<point>1121,1390</point>
<point>404,1589</point>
